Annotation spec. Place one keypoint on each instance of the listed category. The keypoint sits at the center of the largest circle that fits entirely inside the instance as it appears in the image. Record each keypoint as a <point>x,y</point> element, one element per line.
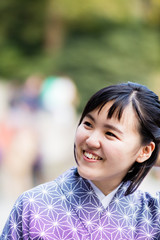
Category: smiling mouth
<point>91,156</point>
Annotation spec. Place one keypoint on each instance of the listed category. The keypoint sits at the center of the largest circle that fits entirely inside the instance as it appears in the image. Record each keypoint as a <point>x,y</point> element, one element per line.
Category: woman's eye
<point>88,124</point>
<point>110,134</point>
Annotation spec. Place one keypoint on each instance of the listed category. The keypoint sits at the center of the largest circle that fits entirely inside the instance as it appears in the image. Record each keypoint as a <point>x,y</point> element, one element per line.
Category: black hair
<point>146,105</point>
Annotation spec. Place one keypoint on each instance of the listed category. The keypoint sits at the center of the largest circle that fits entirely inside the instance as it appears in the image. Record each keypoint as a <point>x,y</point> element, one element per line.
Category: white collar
<point>105,200</point>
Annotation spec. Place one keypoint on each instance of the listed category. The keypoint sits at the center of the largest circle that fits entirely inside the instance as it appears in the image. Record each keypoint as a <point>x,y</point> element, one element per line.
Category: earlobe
<point>146,152</point>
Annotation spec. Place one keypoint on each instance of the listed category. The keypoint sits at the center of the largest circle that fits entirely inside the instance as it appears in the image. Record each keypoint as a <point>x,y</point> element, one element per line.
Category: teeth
<point>91,156</point>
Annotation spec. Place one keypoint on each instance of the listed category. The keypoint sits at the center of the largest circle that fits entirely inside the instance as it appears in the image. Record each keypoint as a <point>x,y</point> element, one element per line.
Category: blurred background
<point>54,54</point>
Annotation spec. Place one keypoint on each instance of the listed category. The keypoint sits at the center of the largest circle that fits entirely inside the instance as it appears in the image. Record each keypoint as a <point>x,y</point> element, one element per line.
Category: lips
<point>91,156</point>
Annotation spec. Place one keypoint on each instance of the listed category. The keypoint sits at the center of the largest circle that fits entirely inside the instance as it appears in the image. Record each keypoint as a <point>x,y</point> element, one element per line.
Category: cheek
<point>114,151</point>
<point>79,136</point>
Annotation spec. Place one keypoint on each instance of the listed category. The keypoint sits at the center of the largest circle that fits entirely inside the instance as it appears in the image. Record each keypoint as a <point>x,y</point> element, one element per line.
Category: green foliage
<point>122,53</point>
<point>119,53</point>
<point>22,24</point>
<point>96,51</point>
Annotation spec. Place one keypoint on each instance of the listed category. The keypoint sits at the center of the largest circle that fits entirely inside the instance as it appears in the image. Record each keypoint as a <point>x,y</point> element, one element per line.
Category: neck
<point>105,188</point>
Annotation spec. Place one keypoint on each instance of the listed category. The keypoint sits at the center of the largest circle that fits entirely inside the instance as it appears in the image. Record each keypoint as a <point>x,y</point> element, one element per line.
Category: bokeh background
<point>54,54</point>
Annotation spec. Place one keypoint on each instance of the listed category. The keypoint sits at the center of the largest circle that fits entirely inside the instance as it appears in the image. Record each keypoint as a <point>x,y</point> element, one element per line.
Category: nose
<point>94,140</point>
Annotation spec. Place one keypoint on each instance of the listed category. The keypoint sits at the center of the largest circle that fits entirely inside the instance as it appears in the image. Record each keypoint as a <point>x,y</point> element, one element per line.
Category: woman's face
<point>107,148</point>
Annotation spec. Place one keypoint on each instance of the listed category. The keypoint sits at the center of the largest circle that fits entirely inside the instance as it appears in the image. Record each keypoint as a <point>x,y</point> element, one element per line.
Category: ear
<point>146,152</point>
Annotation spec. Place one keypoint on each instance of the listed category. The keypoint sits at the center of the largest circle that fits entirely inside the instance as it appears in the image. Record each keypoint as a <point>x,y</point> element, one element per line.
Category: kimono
<point>68,208</point>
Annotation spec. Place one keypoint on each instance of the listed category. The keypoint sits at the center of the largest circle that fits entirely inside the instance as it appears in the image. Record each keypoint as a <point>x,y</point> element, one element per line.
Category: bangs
<point>116,108</point>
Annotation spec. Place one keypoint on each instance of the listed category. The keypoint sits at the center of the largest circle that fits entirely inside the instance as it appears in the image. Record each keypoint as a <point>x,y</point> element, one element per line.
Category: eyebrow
<point>105,125</point>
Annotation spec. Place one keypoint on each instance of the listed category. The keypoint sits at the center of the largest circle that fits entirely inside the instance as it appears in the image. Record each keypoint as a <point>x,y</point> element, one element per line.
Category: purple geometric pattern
<point>68,208</point>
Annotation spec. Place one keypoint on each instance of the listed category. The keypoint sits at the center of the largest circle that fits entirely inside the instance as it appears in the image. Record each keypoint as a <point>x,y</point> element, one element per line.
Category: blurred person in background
<point>116,144</point>
<point>18,138</point>
<point>29,151</point>
<point>18,150</point>
<point>59,99</point>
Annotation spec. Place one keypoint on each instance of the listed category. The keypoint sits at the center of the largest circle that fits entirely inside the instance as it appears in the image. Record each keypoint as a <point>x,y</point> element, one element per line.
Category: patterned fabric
<point>68,208</point>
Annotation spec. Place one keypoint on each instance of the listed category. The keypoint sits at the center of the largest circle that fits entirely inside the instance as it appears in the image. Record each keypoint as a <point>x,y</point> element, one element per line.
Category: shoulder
<point>146,202</point>
<point>37,202</point>
<point>49,189</point>
<point>138,198</point>
<point>148,198</point>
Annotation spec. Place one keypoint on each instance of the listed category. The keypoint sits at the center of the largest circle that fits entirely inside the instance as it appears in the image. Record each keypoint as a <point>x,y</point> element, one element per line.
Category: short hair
<point>146,105</point>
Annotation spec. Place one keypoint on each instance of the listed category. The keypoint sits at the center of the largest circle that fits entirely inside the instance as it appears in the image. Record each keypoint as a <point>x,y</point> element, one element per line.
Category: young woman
<point>116,144</point>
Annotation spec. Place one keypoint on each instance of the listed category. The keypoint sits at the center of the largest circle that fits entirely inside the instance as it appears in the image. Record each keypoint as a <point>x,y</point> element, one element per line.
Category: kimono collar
<point>105,200</point>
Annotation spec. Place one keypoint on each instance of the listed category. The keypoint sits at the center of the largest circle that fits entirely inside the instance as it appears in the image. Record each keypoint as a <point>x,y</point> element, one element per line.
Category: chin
<point>87,174</point>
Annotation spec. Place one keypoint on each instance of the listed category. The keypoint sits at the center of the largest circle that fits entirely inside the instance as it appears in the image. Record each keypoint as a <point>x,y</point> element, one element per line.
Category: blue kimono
<point>68,208</point>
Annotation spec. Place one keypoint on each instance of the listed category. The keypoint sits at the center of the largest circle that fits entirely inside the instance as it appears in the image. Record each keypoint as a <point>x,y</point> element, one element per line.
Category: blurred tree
<point>22,24</point>
<point>32,25</point>
<point>119,10</point>
<point>155,14</point>
<point>93,42</point>
<point>54,27</point>
<point>63,15</point>
<point>147,11</point>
